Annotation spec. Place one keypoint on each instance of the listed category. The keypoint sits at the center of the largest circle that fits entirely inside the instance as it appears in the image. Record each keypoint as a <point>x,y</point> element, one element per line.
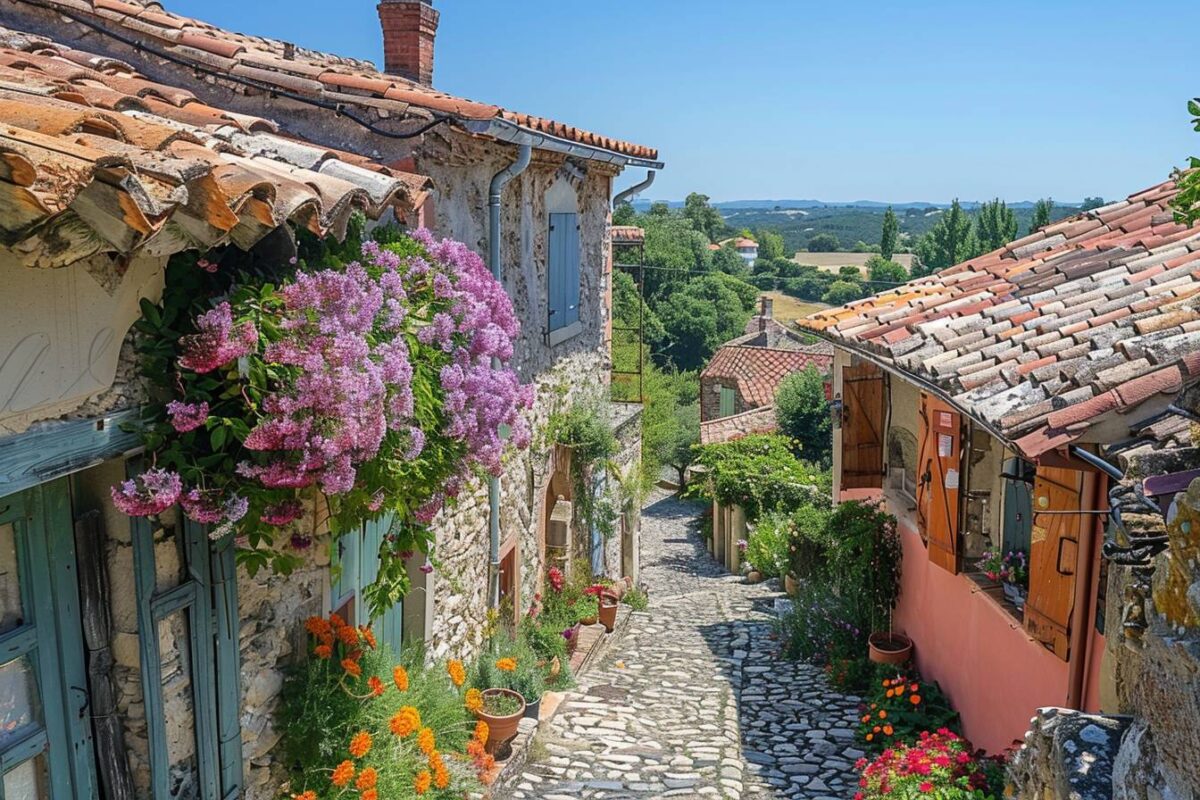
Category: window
<point>563,273</point>
<point>727,401</point>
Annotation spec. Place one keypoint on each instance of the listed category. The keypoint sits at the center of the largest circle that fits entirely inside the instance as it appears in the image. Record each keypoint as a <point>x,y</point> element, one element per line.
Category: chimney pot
<point>409,29</point>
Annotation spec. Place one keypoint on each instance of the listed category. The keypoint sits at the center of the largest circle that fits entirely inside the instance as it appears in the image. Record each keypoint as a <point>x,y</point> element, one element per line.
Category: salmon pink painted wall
<point>993,673</point>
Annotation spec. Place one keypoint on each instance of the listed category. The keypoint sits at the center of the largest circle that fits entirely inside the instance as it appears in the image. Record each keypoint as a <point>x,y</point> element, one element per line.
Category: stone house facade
<point>1018,401</point>
<point>160,161</point>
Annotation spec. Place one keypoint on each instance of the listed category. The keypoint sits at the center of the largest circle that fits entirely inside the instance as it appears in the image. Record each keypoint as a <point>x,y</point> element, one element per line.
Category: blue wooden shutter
<point>389,627</point>
<point>229,667</point>
<point>571,262</point>
<point>563,271</point>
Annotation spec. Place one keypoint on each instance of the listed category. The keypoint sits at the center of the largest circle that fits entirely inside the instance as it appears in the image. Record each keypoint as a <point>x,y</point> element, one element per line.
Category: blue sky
<point>842,100</point>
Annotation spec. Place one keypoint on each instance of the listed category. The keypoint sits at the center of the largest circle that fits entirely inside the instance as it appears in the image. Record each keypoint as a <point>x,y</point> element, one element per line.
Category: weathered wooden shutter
<point>938,476</point>
<point>388,628</point>
<point>1053,557</point>
<point>727,402</point>
<point>563,271</point>
<point>862,426</point>
<point>229,666</point>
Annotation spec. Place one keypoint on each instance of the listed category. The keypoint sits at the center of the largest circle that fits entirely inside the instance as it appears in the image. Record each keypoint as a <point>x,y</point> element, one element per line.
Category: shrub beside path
<point>692,700</point>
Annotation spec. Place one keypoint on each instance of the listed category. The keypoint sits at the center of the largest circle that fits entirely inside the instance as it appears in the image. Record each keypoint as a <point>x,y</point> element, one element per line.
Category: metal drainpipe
<point>524,154</point>
<point>632,190</point>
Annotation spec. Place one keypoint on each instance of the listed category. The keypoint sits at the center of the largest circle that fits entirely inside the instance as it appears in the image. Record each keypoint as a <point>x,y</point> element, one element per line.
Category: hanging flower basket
<point>889,648</point>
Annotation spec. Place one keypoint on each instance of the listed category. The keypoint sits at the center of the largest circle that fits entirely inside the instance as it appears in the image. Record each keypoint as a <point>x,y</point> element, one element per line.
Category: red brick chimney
<point>409,28</point>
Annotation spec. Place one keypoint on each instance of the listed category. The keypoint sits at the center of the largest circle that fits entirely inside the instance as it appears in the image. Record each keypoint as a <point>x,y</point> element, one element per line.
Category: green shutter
<point>229,667</point>
<point>727,402</point>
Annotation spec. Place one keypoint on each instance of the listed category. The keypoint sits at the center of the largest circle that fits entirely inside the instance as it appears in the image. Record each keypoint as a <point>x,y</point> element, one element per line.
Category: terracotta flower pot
<point>501,729</point>
<point>754,576</point>
<point>789,585</point>
<point>889,648</point>
<point>608,611</point>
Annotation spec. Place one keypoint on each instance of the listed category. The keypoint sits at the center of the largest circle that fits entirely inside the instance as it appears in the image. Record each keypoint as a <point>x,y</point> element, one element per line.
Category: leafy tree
<point>703,216</point>
<point>1187,202</point>
<point>770,245</point>
<point>674,250</point>
<point>668,427</point>
<point>995,225</point>
<point>660,209</point>
<point>703,314</point>
<point>841,292</point>
<point>1091,202</point>
<point>1041,214</point>
<point>950,241</point>
<point>889,235</point>
<point>884,270</point>
<point>849,273</point>
<point>824,243</point>
<point>729,261</point>
<point>626,303</point>
<point>624,215</point>
<point>803,414</point>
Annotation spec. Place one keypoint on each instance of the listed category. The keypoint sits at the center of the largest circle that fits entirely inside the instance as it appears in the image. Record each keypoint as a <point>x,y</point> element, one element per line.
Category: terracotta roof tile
<point>758,371</point>
<point>1102,310</point>
<point>142,164</point>
<point>309,72</point>
<point>726,429</point>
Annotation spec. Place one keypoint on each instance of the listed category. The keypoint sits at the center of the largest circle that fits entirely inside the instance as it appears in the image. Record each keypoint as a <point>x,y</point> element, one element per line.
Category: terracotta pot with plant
<point>502,710</point>
<point>889,648</point>
<point>608,609</point>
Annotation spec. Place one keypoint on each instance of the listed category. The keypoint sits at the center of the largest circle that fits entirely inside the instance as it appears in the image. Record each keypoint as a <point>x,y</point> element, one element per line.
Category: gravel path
<point>692,700</point>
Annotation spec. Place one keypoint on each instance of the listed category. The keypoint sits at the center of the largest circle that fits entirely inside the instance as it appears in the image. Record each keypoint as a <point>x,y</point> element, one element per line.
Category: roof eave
<point>505,131</point>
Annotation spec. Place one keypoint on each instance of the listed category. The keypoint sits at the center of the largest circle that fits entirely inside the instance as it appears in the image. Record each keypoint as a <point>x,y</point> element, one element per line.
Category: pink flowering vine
<point>152,492</point>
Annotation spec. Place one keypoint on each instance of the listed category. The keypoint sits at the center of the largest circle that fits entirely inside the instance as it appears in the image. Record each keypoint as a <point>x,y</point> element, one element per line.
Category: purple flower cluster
<point>214,506</point>
<point>152,492</point>
<point>187,416</point>
<point>217,341</point>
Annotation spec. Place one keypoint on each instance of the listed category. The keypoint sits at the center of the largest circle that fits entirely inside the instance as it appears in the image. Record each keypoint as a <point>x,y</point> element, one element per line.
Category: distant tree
<point>1187,202</point>
<point>674,249</point>
<point>660,209</point>
<point>703,314</point>
<point>849,273</point>
<point>1091,202</point>
<point>770,244</point>
<point>862,247</point>
<point>995,225</point>
<point>1041,214</point>
<point>626,304</point>
<point>886,271</point>
<point>889,235</point>
<point>624,215</point>
<point>703,216</point>
<point>950,241</point>
<point>824,243</point>
<point>670,420</point>
<point>803,414</point>
<point>841,292</point>
<point>729,261</point>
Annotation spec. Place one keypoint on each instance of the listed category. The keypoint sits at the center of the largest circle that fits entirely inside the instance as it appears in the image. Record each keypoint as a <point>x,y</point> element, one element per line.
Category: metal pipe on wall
<point>495,190</point>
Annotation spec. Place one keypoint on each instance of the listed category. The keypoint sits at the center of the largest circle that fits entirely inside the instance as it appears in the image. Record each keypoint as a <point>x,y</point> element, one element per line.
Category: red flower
<point>926,787</point>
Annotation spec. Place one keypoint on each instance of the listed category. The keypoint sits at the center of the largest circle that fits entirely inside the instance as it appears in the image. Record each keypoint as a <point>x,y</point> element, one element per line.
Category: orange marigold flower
<point>481,732</point>
<point>343,773</point>
<point>352,668</point>
<point>422,781</point>
<point>870,736</point>
<point>475,748</point>
<point>360,745</point>
<point>888,729</point>
<point>506,664</point>
<point>441,778</point>
<point>368,635</point>
<point>336,621</point>
<point>323,651</point>
<point>866,718</point>
<point>473,700</point>
<point>348,635</point>
<point>876,729</point>
<point>369,794</point>
<point>457,674</point>
<point>891,692</point>
<point>405,721</point>
<point>882,714</point>
<point>425,741</point>
<point>885,684</point>
<point>375,685</point>
<point>400,677</point>
<point>310,794</point>
<point>317,626</point>
<point>915,699</point>
<point>366,779</point>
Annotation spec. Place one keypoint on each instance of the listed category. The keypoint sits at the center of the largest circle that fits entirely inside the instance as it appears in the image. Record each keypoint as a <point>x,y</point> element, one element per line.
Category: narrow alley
<point>692,701</point>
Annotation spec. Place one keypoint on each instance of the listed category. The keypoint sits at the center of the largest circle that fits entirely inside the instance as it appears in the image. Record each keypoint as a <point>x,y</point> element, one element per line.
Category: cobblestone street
<point>691,701</point>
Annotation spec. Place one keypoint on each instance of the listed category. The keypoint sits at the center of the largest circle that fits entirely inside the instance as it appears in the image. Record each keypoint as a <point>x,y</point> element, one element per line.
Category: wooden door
<point>45,743</point>
<point>863,417</point>
<point>939,465</point>
<point>1053,557</point>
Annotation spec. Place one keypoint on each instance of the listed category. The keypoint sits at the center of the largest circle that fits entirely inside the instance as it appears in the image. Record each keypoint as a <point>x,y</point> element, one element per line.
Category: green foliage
<point>703,314</point>
<point>824,243</point>
<point>529,677</point>
<point>820,629</point>
<point>624,214</point>
<point>904,704</point>
<point>636,598</point>
<point>674,250</point>
<point>809,539</point>
<point>767,546</point>
<point>704,217</point>
<point>882,270</point>
<point>952,240</point>
<point>760,474</point>
<point>889,235</point>
<point>1041,214</point>
<point>863,561</point>
<point>803,413</point>
<point>729,261</point>
<point>770,244</point>
<point>995,225</point>
<point>1187,202</point>
<point>1096,202</point>
<point>841,292</point>
<point>586,429</point>
<point>937,765</point>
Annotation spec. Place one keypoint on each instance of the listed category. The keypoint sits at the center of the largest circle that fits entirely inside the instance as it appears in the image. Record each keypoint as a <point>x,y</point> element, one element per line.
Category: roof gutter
<point>495,191</point>
<point>635,189</point>
<point>505,131</point>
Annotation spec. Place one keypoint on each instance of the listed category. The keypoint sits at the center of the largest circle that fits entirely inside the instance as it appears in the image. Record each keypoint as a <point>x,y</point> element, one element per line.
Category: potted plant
<point>502,710</point>
<point>607,605</point>
<point>889,647</point>
<point>1011,569</point>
